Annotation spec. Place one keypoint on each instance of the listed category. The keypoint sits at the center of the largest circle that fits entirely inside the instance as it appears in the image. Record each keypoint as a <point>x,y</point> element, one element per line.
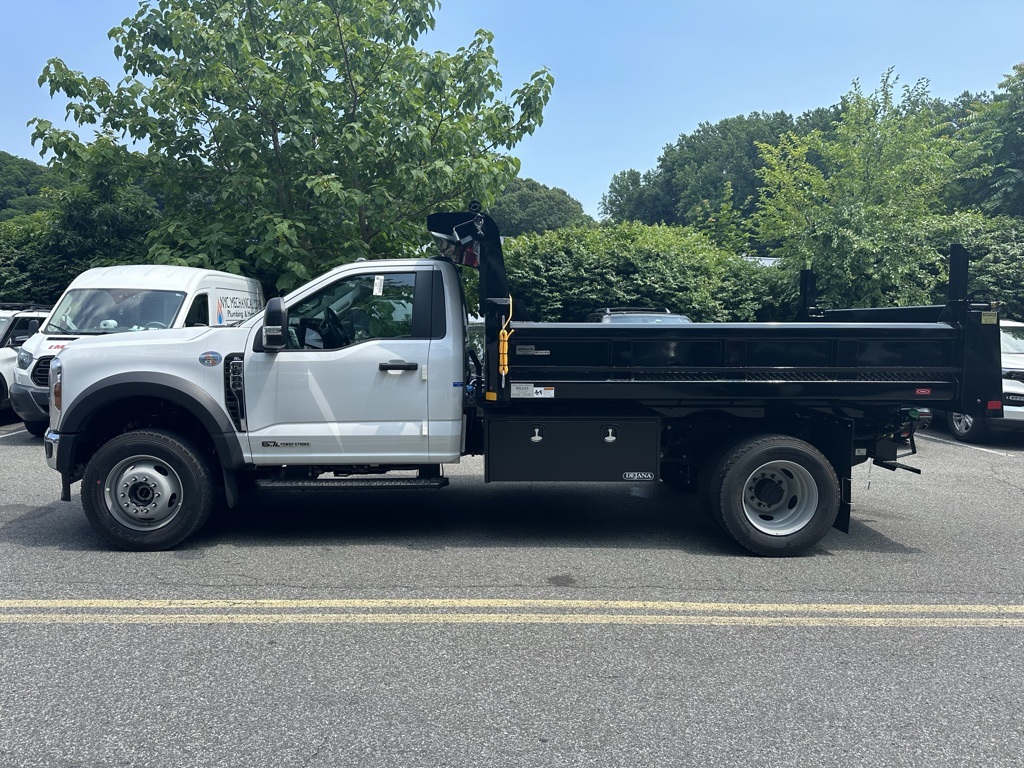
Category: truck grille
<point>234,390</point>
<point>41,373</point>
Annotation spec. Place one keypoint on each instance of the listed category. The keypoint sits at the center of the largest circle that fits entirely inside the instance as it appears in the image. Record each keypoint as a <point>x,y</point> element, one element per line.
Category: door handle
<point>397,365</point>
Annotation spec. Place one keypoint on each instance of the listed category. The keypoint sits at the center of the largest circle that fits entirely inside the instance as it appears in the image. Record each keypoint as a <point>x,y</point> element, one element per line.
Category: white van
<point>125,299</point>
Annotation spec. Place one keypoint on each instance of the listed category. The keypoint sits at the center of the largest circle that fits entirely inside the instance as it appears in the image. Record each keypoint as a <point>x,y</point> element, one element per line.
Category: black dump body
<point>639,403</point>
<point>822,362</point>
<point>945,357</point>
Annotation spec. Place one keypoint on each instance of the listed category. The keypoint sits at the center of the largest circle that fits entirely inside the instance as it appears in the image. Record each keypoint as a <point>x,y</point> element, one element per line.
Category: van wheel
<point>147,490</point>
<point>36,428</point>
<point>967,429</point>
<point>774,494</point>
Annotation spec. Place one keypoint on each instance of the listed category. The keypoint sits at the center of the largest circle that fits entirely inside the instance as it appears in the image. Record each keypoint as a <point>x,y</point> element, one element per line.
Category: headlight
<point>56,384</point>
<point>24,359</point>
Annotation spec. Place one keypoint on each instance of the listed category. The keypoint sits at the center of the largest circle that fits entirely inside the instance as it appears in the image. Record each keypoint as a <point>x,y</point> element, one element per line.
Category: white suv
<point>15,320</point>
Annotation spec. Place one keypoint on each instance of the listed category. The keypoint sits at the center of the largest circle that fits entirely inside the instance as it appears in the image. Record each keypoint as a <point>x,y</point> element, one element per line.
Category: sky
<point>630,75</point>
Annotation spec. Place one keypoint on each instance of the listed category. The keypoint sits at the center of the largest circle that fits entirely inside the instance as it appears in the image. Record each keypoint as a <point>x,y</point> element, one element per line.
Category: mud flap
<point>842,522</point>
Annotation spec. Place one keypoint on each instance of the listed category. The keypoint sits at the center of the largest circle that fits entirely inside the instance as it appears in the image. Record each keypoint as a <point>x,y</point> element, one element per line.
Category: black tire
<point>147,490</point>
<point>36,428</point>
<point>775,495</point>
<point>704,481</point>
<point>967,429</point>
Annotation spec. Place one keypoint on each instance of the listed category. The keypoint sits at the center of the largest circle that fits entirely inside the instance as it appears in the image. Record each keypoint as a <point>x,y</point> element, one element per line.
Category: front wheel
<point>967,429</point>
<point>775,495</point>
<point>147,490</point>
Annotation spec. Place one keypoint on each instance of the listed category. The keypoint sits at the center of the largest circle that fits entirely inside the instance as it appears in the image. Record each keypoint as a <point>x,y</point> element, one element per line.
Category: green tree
<point>22,186</point>
<point>996,245</point>
<point>630,197</point>
<point>693,172</point>
<point>289,137</point>
<point>564,274</point>
<point>99,219</point>
<point>854,213</point>
<point>999,123</point>
<point>33,265</point>
<point>526,205</point>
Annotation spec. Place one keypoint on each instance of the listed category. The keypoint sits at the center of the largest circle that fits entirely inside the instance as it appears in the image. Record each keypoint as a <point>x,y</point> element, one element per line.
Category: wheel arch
<point>144,400</point>
<point>705,435</point>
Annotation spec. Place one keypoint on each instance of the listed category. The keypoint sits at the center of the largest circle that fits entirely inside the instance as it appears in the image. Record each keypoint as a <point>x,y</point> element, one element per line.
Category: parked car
<point>972,430</point>
<point>634,315</point>
<point>14,330</point>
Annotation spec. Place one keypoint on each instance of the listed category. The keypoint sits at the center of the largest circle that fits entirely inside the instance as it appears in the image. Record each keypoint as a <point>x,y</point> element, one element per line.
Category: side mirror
<point>275,325</point>
<point>33,327</point>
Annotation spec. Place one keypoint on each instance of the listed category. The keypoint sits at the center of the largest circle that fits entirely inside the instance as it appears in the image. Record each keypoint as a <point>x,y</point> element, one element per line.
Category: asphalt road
<point>503,625</point>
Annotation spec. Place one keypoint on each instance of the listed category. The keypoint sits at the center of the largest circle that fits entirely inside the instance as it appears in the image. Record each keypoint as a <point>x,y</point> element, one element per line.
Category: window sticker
<point>529,391</point>
<point>378,285</point>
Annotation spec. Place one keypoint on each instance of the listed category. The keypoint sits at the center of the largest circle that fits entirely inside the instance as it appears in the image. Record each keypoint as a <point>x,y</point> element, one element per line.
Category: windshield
<point>112,310</point>
<point>4,322</point>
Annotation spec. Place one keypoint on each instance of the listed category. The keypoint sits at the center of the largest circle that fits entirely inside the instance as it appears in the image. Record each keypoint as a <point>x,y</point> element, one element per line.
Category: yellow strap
<point>503,337</point>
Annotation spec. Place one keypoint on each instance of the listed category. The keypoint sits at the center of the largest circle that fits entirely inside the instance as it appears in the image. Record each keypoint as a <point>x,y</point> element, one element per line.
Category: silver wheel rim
<point>143,493</point>
<point>962,423</point>
<point>780,498</point>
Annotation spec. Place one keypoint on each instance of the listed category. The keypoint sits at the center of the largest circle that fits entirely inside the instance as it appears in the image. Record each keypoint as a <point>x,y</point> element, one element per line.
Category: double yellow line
<point>486,611</point>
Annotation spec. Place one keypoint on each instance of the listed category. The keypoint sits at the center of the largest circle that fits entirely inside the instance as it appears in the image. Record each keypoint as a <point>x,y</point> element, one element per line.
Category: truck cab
<point>368,369</point>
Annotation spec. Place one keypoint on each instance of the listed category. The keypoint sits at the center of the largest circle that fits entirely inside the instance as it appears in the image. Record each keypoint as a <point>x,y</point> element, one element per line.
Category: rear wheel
<point>147,490</point>
<point>967,429</point>
<point>775,495</point>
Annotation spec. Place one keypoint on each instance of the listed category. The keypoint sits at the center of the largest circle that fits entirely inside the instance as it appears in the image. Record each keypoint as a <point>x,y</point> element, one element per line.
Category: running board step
<point>352,484</point>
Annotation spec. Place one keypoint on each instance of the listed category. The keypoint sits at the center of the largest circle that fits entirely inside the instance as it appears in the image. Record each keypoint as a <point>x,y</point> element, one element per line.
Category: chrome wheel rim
<point>962,423</point>
<point>143,493</point>
<point>780,498</point>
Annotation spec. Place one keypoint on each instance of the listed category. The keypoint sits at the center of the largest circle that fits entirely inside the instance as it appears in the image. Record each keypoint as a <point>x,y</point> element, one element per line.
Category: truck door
<point>350,387</point>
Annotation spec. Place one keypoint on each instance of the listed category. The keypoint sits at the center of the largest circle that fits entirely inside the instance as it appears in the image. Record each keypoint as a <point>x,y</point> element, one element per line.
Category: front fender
<point>149,384</point>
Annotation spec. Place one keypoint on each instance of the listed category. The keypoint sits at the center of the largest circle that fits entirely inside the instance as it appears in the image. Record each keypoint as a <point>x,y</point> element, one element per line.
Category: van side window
<point>355,309</point>
<point>199,312</point>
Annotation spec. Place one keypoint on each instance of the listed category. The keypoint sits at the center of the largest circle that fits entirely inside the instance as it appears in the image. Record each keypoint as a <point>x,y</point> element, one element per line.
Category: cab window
<point>353,310</point>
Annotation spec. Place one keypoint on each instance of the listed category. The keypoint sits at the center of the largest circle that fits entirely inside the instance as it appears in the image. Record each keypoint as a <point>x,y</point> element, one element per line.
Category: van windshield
<point>113,310</point>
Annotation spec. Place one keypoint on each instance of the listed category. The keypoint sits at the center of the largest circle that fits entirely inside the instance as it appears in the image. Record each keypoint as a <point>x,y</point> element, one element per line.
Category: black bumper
<point>30,404</point>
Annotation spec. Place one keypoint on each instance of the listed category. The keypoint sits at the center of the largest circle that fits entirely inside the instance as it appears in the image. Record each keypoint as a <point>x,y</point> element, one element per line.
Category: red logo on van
<point>922,391</point>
